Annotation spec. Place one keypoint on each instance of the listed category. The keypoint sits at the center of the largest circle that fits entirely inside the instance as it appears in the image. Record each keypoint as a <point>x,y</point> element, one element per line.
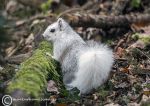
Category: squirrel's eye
<point>52,30</point>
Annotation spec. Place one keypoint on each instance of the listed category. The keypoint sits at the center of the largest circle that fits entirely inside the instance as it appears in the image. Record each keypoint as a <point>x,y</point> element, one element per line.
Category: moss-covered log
<point>31,79</point>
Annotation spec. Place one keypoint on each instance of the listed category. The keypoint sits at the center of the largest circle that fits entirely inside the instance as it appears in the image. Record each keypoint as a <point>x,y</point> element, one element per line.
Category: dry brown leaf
<point>20,22</point>
<point>10,49</point>
<point>112,104</point>
<point>125,70</point>
<point>120,52</point>
<point>61,104</point>
<point>146,30</point>
<point>52,87</point>
<point>145,98</point>
<point>30,39</point>
<point>53,99</point>
<point>139,26</point>
<point>138,44</point>
<point>122,85</point>
<point>146,92</point>
<point>132,79</point>
<point>133,104</point>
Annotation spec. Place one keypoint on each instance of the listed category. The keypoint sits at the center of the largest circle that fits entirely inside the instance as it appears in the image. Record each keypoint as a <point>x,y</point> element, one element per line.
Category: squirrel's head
<point>56,30</point>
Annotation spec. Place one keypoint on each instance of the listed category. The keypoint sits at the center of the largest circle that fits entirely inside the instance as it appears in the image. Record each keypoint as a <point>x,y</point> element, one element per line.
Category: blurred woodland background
<point>122,24</point>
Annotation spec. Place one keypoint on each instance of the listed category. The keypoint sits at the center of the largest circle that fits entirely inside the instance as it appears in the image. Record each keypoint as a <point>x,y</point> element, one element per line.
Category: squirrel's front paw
<point>48,54</point>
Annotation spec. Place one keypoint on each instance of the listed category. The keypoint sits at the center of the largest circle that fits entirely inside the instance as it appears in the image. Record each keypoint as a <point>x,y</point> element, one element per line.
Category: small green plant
<point>135,3</point>
<point>45,6</point>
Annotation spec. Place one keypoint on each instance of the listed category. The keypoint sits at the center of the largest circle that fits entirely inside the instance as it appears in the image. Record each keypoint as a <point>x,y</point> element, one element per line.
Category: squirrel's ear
<point>60,23</point>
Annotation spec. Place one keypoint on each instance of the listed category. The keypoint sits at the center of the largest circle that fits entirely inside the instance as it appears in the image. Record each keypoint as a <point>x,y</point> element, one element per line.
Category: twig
<point>18,58</point>
<point>39,16</point>
<point>15,49</point>
<point>144,54</point>
<point>119,43</point>
<point>84,7</point>
<point>68,11</point>
<point>124,40</point>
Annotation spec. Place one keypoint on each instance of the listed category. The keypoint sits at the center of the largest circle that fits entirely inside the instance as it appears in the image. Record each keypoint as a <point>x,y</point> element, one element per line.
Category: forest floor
<point>122,24</point>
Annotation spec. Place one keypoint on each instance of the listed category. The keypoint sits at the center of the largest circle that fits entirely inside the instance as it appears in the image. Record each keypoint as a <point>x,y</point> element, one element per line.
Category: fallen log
<point>30,81</point>
<point>102,21</point>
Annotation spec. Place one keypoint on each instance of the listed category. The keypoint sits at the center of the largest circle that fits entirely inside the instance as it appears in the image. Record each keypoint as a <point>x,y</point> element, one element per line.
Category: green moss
<point>34,72</point>
<point>146,40</point>
<point>135,36</point>
<point>109,42</point>
<point>142,37</point>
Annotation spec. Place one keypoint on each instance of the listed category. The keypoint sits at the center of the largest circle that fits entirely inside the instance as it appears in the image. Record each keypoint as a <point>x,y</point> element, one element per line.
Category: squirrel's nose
<point>42,36</point>
<point>45,37</point>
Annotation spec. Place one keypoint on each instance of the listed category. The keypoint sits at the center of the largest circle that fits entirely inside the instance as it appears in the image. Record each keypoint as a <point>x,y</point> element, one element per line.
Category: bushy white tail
<point>94,67</point>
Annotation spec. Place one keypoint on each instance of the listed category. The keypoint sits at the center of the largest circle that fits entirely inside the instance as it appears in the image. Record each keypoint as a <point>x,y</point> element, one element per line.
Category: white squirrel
<point>85,65</point>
